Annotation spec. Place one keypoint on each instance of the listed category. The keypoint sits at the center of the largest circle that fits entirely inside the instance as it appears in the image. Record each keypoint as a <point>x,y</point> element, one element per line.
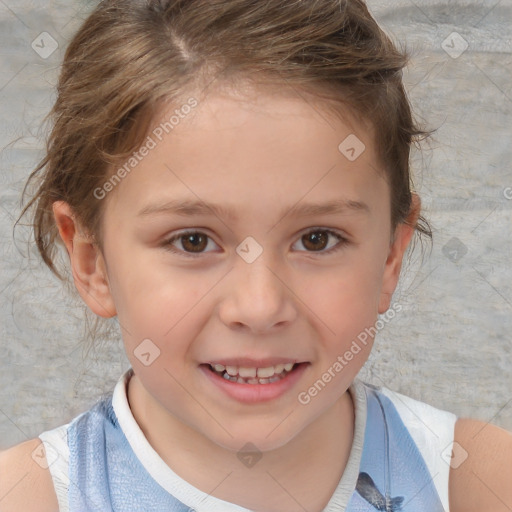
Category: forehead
<point>225,103</point>
<point>253,148</point>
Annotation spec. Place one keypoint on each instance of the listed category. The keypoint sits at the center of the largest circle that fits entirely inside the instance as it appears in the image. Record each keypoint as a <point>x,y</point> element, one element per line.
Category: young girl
<point>231,180</point>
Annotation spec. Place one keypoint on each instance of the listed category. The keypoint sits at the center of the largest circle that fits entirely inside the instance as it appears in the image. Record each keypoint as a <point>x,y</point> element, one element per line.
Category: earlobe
<point>87,262</point>
<point>403,235</point>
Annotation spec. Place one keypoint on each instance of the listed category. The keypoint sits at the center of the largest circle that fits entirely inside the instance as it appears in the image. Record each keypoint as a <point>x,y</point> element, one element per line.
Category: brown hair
<point>131,55</point>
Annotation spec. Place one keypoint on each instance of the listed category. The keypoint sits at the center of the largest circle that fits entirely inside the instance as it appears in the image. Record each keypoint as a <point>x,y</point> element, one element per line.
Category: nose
<point>257,298</point>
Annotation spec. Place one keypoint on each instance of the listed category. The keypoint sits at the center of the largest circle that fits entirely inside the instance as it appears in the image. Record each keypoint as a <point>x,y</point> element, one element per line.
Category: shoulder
<point>25,481</point>
<point>481,472</point>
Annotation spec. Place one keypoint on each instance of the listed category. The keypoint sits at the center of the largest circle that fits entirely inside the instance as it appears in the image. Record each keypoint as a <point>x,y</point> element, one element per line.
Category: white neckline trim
<point>200,501</point>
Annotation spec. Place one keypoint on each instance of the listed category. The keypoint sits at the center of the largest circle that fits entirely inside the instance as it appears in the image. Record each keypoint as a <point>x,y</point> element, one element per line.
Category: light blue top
<point>399,460</point>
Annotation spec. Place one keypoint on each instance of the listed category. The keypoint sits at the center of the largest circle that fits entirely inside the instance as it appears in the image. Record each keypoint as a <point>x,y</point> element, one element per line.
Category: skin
<point>257,155</point>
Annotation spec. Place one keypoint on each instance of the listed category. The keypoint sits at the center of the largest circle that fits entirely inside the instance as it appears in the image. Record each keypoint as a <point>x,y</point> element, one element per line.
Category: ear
<point>403,234</point>
<point>87,263</point>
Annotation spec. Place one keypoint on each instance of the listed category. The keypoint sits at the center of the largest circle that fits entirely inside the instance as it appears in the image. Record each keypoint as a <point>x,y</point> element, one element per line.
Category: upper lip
<point>246,362</point>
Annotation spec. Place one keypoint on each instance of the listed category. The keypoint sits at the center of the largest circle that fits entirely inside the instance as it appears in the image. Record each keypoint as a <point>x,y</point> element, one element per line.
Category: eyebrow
<point>192,207</point>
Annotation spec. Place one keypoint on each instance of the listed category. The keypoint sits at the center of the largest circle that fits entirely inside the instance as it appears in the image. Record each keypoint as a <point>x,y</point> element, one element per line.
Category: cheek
<point>154,296</point>
<point>346,325</point>
<point>166,306</point>
<point>346,299</point>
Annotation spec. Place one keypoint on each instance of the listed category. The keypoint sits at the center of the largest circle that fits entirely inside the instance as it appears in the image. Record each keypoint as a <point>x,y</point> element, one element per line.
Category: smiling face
<point>288,264</point>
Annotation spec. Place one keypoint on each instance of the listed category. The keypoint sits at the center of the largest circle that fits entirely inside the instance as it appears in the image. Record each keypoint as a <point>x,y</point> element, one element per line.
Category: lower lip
<point>254,393</point>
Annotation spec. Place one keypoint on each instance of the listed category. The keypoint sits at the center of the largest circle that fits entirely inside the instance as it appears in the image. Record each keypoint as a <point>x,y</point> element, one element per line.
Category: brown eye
<point>194,242</point>
<point>321,241</point>
<point>315,240</point>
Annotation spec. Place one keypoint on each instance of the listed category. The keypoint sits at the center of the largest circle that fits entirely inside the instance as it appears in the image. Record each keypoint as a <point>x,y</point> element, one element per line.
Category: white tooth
<point>240,380</point>
<point>252,381</point>
<point>278,368</point>
<point>226,376</point>
<point>266,372</point>
<point>288,366</point>
<point>264,381</point>
<point>219,367</point>
<point>247,372</point>
<point>232,370</point>
<point>274,379</point>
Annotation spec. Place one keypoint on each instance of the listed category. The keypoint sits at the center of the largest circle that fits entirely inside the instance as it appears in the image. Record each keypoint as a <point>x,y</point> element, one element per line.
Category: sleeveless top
<point>399,460</point>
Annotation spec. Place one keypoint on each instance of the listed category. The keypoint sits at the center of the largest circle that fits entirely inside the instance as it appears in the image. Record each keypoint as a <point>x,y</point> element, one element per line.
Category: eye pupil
<point>197,241</point>
<point>319,239</point>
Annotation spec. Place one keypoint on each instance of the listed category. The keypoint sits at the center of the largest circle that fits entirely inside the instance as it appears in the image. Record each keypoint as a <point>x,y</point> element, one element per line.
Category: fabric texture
<point>101,461</point>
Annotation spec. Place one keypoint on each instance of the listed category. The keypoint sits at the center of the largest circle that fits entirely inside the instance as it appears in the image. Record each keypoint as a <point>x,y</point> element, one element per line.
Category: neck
<point>301,475</point>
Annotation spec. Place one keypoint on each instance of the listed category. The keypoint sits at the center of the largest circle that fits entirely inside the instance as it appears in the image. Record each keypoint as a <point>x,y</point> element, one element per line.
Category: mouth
<point>252,374</point>
<point>253,381</point>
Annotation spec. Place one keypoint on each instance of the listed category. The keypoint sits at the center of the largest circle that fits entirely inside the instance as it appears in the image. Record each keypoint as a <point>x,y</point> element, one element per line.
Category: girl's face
<point>287,259</point>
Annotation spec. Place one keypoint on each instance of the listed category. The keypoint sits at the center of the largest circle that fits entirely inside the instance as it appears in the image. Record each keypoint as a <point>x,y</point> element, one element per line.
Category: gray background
<point>449,346</point>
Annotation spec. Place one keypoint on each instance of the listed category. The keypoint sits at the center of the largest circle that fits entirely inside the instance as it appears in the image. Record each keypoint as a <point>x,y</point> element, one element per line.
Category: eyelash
<point>167,244</point>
